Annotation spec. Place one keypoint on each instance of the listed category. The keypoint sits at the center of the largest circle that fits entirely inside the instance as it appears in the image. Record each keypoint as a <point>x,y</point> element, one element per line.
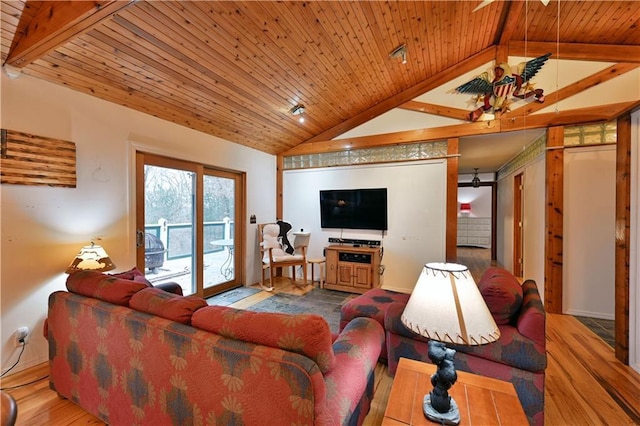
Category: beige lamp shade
<point>93,258</point>
<point>447,306</point>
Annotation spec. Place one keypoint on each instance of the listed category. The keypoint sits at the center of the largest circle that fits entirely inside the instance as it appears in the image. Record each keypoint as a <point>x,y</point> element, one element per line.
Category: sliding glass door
<point>219,241</point>
<point>188,224</point>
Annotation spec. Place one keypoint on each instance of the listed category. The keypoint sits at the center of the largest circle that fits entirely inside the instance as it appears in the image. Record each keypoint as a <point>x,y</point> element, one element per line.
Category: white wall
<point>504,222</point>
<point>480,199</point>
<point>533,221</point>
<point>42,228</point>
<point>416,198</point>
<point>589,228</point>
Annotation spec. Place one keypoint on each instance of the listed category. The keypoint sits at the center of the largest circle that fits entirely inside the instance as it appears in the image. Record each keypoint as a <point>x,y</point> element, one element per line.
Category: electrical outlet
<point>21,335</point>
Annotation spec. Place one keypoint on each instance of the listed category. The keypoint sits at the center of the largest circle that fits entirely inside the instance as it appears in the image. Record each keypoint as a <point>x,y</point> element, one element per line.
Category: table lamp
<point>93,257</point>
<point>447,307</point>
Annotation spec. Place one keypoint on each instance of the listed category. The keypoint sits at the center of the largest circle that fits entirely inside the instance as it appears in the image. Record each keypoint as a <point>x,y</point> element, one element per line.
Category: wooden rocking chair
<point>277,252</point>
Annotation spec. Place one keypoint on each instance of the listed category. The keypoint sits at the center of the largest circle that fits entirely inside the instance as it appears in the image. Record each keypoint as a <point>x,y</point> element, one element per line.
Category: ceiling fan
<point>488,2</point>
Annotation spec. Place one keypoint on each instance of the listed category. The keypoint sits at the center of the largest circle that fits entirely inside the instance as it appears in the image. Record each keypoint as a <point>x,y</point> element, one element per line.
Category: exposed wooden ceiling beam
<point>597,114</point>
<point>575,88</point>
<point>57,22</point>
<point>504,124</point>
<point>441,110</point>
<point>409,136</point>
<point>511,22</point>
<point>577,51</point>
<point>443,77</point>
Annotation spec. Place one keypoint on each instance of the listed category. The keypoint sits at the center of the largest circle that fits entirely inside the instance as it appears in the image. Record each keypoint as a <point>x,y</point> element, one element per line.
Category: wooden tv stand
<point>352,269</point>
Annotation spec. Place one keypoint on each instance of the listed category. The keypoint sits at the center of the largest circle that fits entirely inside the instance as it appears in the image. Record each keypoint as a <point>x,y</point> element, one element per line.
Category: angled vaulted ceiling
<point>234,69</point>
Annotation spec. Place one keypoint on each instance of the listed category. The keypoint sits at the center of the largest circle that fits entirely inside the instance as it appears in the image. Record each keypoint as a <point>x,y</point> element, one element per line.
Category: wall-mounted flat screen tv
<point>354,208</point>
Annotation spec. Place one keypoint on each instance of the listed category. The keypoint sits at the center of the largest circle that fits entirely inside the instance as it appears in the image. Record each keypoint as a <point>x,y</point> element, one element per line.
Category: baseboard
<point>598,315</point>
<point>27,364</point>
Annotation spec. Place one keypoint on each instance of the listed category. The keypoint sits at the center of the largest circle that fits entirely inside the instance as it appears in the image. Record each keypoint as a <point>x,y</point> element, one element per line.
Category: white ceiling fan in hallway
<point>488,2</point>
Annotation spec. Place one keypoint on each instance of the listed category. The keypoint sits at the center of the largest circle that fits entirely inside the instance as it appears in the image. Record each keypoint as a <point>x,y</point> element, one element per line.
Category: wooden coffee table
<point>481,400</point>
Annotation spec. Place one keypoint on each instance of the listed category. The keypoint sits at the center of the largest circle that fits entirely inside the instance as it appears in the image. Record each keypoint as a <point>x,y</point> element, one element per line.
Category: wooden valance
<point>36,160</point>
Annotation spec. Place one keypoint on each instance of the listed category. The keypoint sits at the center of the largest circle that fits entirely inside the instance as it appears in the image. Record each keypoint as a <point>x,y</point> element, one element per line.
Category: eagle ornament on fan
<point>495,91</point>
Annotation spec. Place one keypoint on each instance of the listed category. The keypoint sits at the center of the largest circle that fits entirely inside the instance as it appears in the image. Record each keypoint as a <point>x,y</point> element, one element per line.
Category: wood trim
<point>241,218</point>
<point>566,92</point>
<point>409,136</point>
<point>494,220</point>
<point>518,252</point>
<point>37,160</point>
<point>597,114</point>
<point>279,186</point>
<point>56,23</point>
<point>451,235</point>
<point>140,161</point>
<point>198,224</point>
<point>440,110</point>
<point>511,22</point>
<point>577,51</point>
<point>510,123</point>
<point>553,220</point>
<point>623,241</point>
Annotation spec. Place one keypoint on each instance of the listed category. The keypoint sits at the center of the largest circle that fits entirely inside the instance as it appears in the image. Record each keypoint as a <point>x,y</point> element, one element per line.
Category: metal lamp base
<point>451,417</point>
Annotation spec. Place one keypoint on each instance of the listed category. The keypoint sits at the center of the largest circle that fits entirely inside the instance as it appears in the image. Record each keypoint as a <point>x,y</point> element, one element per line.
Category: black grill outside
<point>153,252</point>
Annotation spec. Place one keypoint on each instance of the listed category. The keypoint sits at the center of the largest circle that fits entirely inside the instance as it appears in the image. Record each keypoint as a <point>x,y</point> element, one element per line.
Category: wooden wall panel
<point>36,160</point>
<point>623,230</point>
<point>554,212</point>
<point>451,249</point>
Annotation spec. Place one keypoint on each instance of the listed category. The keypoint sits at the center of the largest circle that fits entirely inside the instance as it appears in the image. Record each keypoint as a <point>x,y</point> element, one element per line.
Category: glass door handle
<point>139,238</point>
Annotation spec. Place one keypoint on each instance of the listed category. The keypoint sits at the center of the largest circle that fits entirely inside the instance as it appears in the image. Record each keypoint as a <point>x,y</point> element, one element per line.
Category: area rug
<point>325,303</point>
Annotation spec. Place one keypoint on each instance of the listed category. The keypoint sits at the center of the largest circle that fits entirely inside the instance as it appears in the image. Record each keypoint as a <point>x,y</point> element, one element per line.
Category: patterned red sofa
<point>518,356</point>
<point>132,354</point>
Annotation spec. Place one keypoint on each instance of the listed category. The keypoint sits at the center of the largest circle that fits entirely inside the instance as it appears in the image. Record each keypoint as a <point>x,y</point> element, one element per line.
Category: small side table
<point>481,400</point>
<point>321,262</point>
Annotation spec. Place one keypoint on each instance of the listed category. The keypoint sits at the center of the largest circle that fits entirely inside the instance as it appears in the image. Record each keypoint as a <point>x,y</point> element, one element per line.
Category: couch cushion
<point>503,294</point>
<point>532,317</point>
<point>103,287</point>
<point>306,334</point>
<point>371,304</point>
<point>133,274</point>
<point>167,305</point>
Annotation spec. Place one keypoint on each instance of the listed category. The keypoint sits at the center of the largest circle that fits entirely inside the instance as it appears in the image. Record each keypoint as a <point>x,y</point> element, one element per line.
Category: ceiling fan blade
<point>483,4</point>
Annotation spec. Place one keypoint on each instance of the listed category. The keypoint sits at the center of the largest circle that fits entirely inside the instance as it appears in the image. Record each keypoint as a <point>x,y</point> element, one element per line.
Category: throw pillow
<point>306,334</point>
<point>502,293</point>
<point>103,287</point>
<point>133,274</point>
<point>166,305</point>
<point>270,240</point>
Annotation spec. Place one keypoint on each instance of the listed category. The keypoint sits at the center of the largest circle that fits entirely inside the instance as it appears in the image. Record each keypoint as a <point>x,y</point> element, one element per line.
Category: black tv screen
<point>354,208</point>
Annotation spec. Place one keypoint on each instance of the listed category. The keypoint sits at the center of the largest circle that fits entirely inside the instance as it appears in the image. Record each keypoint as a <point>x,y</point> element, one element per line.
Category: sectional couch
<point>518,356</point>
<point>133,354</point>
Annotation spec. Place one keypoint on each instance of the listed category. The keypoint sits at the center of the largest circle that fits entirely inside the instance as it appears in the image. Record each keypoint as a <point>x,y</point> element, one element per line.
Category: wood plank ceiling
<point>234,69</point>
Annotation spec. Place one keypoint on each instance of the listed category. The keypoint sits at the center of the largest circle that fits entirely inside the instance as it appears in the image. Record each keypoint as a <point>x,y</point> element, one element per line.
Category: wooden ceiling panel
<point>234,69</point>
<point>594,22</point>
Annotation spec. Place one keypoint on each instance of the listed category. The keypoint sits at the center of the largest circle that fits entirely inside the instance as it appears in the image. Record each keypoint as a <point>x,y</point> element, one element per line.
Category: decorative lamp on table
<point>447,307</point>
<point>93,257</point>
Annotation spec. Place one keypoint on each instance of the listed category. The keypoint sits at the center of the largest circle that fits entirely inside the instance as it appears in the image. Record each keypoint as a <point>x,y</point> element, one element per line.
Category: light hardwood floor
<point>585,383</point>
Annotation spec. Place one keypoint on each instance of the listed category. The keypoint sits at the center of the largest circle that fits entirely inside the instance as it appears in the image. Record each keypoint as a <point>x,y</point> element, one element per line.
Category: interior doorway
<point>518,199</point>
<point>477,218</point>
